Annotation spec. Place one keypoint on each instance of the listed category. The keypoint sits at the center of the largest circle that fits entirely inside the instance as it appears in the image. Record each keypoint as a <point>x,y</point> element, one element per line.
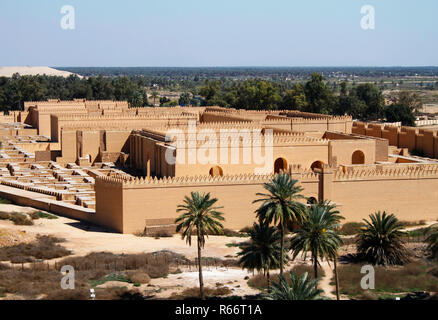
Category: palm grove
<point>287,224</point>
<point>362,101</point>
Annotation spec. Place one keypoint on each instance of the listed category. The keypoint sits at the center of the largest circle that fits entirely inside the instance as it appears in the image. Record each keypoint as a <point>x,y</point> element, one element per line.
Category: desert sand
<point>27,70</point>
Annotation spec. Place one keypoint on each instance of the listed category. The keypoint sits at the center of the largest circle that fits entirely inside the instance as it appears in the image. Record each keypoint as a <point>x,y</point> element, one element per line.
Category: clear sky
<point>219,33</point>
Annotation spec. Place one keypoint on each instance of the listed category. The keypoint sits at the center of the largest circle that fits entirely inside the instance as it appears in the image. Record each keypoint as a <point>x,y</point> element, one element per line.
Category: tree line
<point>16,90</point>
<point>362,101</point>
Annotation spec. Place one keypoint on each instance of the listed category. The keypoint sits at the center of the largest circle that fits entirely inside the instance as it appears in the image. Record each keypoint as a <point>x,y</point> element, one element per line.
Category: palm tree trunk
<point>268,276</point>
<point>201,280</point>
<point>336,277</point>
<point>282,249</point>
<point>315,269</point>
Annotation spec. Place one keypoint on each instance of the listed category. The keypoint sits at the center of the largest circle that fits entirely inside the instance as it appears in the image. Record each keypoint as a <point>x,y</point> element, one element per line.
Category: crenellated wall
<point>421,140</point>
<point>125,205</point>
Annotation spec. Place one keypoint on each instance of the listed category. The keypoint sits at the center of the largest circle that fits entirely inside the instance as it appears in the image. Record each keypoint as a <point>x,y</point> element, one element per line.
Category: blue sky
<point>219,33</point>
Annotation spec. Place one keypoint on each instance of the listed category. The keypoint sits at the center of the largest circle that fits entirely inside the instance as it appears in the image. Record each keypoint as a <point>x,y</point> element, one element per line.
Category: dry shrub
<point>246,229</point>
<point>261,282</point>
<point>349,241</point>
<point>193,293</point>
<point>139,277</point>
<point>156,265</point>
<point>409,278</point>
<point>44,247</point>
<point>413,223</point>
<point>350,228</point>
<point>18,218</point>
<point>31,284</point>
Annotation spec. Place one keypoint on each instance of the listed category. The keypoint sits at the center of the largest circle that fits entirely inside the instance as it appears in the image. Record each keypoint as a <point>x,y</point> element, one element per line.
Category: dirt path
<point>324,283</point>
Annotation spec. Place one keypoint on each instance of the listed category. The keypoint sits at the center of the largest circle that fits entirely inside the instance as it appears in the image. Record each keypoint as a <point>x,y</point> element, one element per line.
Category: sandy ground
<point>27,70</point>
<point>82,238</point>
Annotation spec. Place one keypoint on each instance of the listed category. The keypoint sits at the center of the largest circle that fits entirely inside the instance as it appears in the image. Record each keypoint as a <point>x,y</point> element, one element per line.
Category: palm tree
<point>300,288</point>
<point>154,95</point>
<point>280,206</point>
<point>432,240</point>
<point>199,216</point>
<point>261,252</point>
<point>318,234</point>
<point>380,240</point>
<point>336,224</point>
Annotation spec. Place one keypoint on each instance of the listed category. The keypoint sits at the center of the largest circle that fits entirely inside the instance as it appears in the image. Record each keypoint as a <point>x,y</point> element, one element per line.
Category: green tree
<point>300,288</point>
<point>318,234</point>
<point>280,206</point>
<point>319,98</point>
<point>373,98</point>
<point>380,241</point>
<point>400,113</point>
<point>184,99</point>
<point>154,96</point>
<point>409,99</point>
<point>199,216</point>
<point>294,99</point>
<point>262,251</point>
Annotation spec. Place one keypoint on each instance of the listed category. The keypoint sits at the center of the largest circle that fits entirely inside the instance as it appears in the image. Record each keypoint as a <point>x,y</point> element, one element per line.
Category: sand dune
<point>25,70</point>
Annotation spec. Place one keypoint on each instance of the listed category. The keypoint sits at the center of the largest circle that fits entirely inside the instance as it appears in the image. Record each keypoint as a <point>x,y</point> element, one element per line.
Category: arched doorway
<point>317,165</point>
<point>280,164</point>
<point>216,171</point>
<point>358,157</point>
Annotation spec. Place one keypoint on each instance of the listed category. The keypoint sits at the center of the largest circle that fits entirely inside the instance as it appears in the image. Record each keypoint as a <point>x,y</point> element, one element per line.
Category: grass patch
<point>44,247</point>
<point>43,215</point>
<point>111,277</point>
<point>5,201</point>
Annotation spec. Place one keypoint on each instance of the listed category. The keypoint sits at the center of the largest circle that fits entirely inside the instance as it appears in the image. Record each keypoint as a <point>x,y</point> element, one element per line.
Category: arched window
<point>216,171</point>
<point>312,200</point>
<point>316,165</point>
<point>358,157</point>
<point>280,164</point>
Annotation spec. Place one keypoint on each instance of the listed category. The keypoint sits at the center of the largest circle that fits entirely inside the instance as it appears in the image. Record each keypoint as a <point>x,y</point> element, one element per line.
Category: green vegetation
<point>43,215</point>
<point>17,89</point>
<point>262,251</point>
<point>280,206</point>
<point>380,240</point>
<point>4,201</point>
<point>260,281</point>
<point>297,288</point>
<point>400,113</point>
<point>111,277</point>
<point>199,216</point>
